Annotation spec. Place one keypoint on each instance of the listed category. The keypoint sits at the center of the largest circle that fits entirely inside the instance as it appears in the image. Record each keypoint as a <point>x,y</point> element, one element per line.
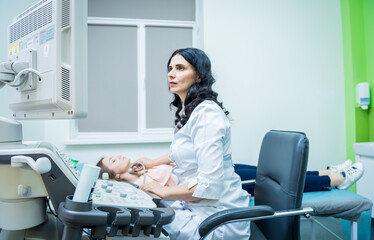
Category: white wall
<point>278,65</point>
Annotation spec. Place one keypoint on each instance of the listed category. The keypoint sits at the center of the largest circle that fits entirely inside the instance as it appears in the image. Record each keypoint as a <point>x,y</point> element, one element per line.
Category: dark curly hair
<point>199,91</point>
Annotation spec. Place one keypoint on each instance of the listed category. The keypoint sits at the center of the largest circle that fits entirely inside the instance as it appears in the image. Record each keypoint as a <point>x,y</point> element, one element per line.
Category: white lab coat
<point>202,153</point>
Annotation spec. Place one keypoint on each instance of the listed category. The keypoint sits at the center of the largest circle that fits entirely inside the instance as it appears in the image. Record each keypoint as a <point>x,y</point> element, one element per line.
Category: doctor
<point>201,151</point>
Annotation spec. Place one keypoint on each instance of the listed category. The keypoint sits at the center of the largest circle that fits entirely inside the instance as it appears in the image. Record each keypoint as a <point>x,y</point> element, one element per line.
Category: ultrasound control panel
<point>116,209</point>
<point>118,193</point>
<point>61,159</point>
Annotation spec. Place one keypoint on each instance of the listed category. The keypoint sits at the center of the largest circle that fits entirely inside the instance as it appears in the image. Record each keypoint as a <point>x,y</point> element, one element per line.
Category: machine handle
<point>41,165</point>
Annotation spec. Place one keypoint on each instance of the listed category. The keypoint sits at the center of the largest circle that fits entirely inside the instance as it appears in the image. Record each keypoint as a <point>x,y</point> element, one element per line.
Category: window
<point>129,44</point>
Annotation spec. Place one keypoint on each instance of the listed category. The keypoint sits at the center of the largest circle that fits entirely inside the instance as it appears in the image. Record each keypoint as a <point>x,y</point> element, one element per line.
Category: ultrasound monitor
<point>46,67</point>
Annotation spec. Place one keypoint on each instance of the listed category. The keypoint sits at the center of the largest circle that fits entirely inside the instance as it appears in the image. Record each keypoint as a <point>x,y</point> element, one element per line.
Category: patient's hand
<point>154,187</point>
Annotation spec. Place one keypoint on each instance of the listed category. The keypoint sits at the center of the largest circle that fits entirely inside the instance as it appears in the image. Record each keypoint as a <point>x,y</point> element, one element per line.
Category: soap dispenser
<point>363,95</point>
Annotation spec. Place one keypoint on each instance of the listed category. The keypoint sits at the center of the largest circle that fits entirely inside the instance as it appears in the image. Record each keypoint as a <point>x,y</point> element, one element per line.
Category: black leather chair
<point>278,191</point>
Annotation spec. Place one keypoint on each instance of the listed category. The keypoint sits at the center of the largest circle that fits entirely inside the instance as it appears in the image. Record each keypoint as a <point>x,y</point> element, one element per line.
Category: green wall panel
<point>358,52</point>
<point>362,125</point>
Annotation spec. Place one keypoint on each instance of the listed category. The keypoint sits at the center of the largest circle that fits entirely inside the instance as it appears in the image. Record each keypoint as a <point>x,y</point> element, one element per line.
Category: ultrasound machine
<point>46,78</point>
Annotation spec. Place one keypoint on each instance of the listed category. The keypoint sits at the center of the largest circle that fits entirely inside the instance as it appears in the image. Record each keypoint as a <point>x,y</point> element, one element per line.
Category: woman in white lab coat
<point>201,151</point>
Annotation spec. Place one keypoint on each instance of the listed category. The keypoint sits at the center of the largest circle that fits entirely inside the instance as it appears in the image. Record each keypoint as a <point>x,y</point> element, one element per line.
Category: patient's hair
<point>104,169</point>
<point>199,91</point>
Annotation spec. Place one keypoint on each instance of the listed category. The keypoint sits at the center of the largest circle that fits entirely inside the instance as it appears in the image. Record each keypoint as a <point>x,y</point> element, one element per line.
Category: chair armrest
<point>251,213</point>
<point>230,215</point>
<point>245,182</point>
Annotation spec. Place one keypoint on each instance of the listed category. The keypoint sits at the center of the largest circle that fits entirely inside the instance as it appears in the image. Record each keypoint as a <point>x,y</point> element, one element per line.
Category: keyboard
<point>119,193</point>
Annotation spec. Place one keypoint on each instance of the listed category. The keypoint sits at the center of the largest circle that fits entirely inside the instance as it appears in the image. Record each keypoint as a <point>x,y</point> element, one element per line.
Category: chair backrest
<point>280,181</point>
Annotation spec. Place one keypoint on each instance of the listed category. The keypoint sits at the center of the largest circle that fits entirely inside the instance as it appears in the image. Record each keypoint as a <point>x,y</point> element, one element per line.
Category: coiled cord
<point>141,164</point>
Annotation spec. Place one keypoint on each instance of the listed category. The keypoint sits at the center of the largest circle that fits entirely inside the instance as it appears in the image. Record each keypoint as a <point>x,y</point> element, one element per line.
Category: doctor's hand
<point>155,188</point>
<point>147,162</point>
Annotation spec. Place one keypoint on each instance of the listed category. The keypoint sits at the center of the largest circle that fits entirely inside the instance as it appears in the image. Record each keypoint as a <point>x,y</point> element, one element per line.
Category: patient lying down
<point>118,168</point>
<point>341,176</point>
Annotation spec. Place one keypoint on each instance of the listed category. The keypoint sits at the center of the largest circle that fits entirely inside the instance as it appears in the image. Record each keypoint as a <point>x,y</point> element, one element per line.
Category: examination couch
<point>346,215</point>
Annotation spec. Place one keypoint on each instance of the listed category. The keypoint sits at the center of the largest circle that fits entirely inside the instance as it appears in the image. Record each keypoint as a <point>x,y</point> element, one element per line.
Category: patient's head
<point>114,166</point>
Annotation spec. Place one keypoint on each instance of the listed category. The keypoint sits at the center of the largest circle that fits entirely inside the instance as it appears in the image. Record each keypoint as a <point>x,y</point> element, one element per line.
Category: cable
<point>50,209</point>
<point>137,165</point>
<point>86,231</point>
<point>22,72</point>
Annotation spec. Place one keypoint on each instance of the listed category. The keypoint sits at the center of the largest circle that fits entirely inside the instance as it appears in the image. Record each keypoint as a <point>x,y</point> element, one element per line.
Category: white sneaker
<point>352,175</point>
<point>341,167</point>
